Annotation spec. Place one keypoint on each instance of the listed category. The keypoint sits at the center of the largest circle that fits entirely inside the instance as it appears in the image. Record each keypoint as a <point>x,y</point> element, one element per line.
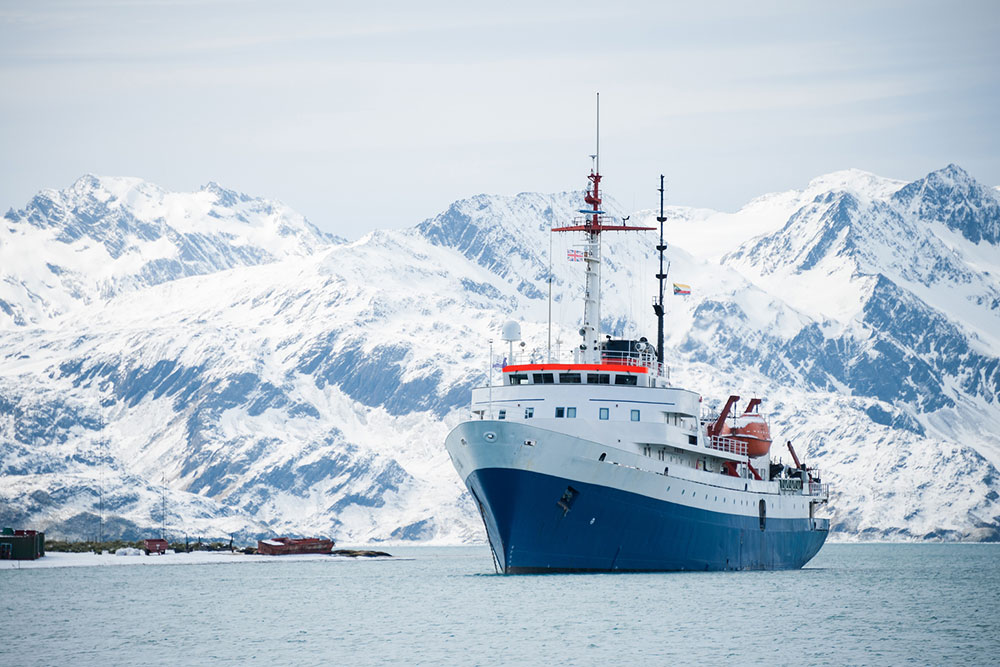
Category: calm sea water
<point>853,604</point>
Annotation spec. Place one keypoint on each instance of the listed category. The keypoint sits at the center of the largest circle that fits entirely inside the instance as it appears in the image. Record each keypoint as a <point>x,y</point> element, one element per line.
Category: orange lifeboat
<point>751,428</point>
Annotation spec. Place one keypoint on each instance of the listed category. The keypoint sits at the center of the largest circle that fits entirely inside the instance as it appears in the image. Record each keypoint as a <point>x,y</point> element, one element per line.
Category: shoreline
<point>70,559</point>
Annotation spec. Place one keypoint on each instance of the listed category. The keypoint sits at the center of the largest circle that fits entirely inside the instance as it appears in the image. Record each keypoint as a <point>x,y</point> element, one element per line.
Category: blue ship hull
<point>534,527</point>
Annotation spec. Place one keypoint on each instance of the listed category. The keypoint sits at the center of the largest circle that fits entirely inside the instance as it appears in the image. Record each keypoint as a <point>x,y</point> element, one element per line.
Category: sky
<point>379,115</point>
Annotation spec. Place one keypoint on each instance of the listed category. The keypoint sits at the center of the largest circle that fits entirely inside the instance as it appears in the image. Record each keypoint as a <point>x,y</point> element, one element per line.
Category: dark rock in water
<point>356,553</point>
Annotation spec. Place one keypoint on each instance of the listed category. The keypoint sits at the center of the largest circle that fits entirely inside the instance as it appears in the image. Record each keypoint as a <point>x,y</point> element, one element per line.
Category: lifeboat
<point>750,428</point>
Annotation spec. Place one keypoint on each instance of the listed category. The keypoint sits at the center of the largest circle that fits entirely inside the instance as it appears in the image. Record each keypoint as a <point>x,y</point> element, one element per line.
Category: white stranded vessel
<point>599,463</point>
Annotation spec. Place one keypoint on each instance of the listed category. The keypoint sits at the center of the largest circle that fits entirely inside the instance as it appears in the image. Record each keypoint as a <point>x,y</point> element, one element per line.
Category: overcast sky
<point>369,115</point>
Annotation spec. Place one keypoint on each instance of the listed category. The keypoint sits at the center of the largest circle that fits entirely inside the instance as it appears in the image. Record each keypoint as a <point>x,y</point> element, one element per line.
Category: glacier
<point>213,364</point>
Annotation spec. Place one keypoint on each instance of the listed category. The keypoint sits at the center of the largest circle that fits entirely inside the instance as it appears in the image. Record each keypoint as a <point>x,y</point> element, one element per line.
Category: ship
<point>597,462</point>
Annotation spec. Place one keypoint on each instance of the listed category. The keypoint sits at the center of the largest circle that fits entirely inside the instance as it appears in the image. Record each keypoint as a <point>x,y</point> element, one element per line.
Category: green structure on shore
<point>21,544</point>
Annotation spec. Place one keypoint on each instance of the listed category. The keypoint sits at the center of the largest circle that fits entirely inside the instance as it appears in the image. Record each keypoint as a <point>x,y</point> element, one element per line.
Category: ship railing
<point>604,219</point>
<point>645,359</point>
<point>729,445</point>
<point>819,489</point>
<point>621,358</point>
<point>536,356</point>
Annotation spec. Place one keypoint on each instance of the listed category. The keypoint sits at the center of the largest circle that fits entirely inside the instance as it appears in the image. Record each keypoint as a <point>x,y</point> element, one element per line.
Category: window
<point>529,413</point>
<point>502,414</point>
<point>518,378</point>
<point>626,379</point>
<point>598,378</point>
<point>569,378</point>
<point>635,415</point>
<point>542,378</point>
<point>692,440</point>
<point>603,414</point>
<point>560,413</point>
<point>571,413</point>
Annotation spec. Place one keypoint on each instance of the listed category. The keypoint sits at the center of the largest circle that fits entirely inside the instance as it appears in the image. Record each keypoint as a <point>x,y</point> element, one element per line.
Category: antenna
<point>489,381</point>
<point>103,454</point>
<point>661,276</point>
<point>597,153</point>
<point>163,506</point>
<point>593,223</point>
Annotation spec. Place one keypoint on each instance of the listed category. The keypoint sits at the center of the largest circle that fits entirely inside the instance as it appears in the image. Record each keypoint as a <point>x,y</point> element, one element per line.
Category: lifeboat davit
<point>751,428</point>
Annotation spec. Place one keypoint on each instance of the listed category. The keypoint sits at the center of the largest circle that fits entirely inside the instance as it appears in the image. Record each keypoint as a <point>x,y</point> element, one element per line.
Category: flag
<point>682,290</point>
<point>574,255</point>
<point>499,362</point>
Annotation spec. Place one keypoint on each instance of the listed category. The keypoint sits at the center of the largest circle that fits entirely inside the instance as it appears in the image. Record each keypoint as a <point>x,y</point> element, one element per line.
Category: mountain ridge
<point>108,235</point>
<point>312,393</point>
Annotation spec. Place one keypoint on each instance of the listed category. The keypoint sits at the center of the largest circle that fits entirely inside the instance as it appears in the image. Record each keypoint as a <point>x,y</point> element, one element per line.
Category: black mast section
<point>661,276</point>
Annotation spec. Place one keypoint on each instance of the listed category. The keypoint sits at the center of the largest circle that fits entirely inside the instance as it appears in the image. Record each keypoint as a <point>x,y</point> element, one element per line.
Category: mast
<point>591,330</point>
<point>661,277</point>
<point>592,226</point>
<point>163,507</point>
<point>549,348</point>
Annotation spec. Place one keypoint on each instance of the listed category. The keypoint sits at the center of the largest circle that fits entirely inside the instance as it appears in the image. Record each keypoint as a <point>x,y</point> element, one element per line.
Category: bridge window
<point>635,415</point>
<point>628,379</point>
<point>603,414</point>
<point>569,378</point>
<point>598,378</point>
<point>518,378</point>
<point>529,413</point>
<point>542,378</point>
<point>502,414</point>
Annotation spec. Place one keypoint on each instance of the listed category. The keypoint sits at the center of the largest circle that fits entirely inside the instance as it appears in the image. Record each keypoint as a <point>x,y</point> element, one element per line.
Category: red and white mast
<point>593,225</point>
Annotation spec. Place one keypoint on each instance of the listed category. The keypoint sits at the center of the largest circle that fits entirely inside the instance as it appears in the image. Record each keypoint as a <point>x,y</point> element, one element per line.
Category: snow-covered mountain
<point>213,362</point>
<point>105,236</point>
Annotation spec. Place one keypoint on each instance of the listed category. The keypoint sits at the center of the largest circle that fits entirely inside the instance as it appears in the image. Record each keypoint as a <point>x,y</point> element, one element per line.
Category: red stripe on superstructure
<point>614,368</point>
